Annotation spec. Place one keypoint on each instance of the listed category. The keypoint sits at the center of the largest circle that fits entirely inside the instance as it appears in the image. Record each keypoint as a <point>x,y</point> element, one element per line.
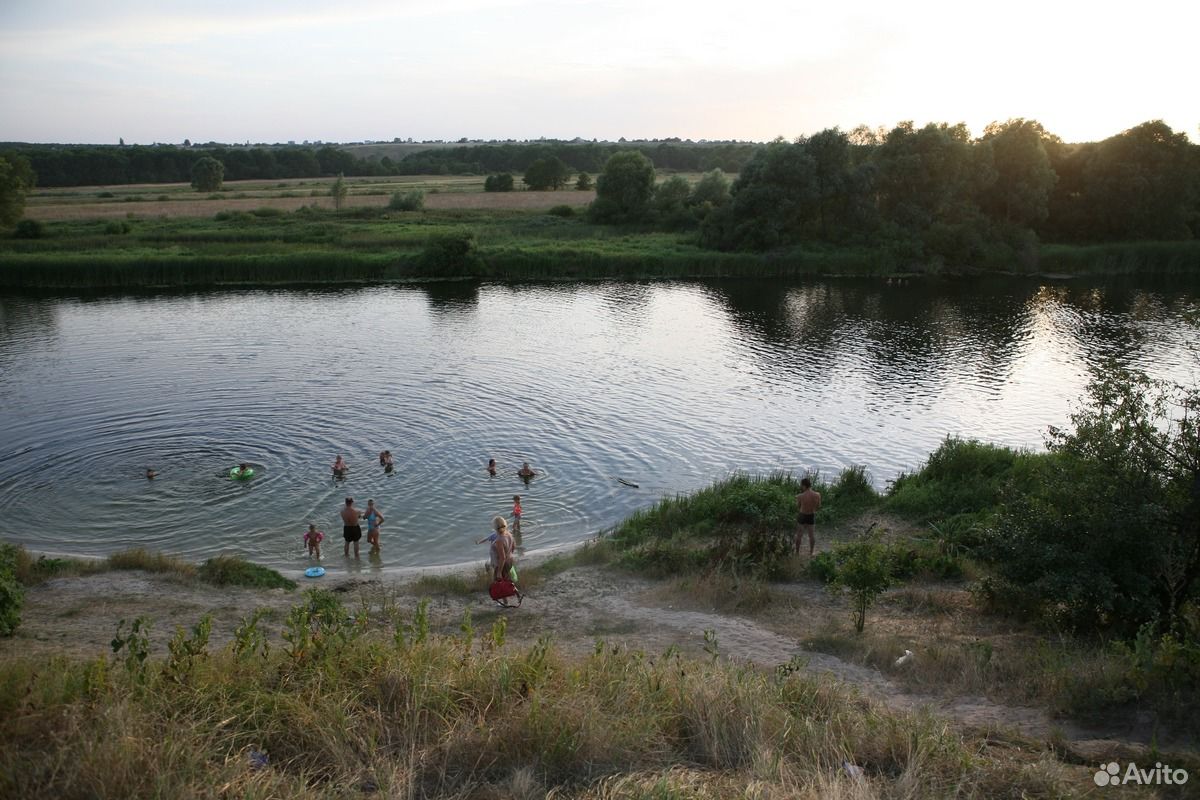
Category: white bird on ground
<point>904,659</point>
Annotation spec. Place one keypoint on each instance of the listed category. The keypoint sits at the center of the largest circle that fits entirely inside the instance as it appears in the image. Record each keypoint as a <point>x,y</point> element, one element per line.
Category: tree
<point>547,173</point>
<point>1142,184</point>
<point>862,569</point>
<point>338,192</point>
<point>1108,535</point>
<point>498,183</point>
<point>775,201</point>
<point>671,196</point>
<point>16,179</point>
<point>713,189</point>
<point>1024,179</point>
<point>207,174</point>
<point>624,188</point>
<point>584,182</point>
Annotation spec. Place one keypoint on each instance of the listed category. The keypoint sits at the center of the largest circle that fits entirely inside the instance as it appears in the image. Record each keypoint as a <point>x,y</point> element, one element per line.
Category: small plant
<point>135,643</point>
<point>421,621</point>
<point>297,633</point>
<point>338,192</point>
<point>468,630</point>
<point>248,639</point>
<point>864,570</point>
<point>12,594</point>
<point>183,650</point>
<point>564,211</point>
<point>499,632</point>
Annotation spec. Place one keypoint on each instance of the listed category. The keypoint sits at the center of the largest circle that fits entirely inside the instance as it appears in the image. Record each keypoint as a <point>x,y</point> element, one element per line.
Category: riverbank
<point>312,245</point>
<point>601,679</point>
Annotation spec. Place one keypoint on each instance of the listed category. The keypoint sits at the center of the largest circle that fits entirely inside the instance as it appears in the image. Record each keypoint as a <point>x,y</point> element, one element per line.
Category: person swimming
<point>339,467</point>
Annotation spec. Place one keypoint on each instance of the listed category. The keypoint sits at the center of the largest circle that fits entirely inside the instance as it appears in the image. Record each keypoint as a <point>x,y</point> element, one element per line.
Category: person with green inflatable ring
<point>242,472</point>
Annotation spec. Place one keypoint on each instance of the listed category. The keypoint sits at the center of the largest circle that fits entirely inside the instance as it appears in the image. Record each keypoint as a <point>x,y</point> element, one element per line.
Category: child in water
<point>516,515</point>
<point>492,467</point>
<point>313,539</point>
<point>339,467</point>
<point>526,472</point>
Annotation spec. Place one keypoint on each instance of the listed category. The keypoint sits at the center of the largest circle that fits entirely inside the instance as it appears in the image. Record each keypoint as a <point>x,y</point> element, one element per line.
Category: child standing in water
<point>492,467</point>
<point>313,539</point>
<point>516,515</point>
<point>339,467</point>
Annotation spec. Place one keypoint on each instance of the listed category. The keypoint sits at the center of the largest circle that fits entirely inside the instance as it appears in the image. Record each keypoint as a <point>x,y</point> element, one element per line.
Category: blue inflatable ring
<point>314,572</point>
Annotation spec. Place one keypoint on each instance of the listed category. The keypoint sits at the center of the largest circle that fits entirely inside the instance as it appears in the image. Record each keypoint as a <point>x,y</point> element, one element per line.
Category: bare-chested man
<point>351,530</point>
<point>807,503</point>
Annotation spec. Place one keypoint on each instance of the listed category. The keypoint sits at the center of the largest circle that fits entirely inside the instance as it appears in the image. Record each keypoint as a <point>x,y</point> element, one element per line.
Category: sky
<point>263,71</point>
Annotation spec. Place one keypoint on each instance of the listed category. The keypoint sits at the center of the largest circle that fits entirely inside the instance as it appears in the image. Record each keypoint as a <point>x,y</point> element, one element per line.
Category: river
<point>669,386</point>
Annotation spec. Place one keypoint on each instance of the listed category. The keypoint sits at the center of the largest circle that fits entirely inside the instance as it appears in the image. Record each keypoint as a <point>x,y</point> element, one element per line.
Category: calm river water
<point>667,385</point>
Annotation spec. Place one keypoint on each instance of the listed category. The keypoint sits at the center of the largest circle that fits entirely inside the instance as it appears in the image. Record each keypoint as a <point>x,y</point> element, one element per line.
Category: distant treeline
<point>112,165</point>
<point>581,157</point>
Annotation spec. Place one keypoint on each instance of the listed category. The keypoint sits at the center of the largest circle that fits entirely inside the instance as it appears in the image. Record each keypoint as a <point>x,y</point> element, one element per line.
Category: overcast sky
<point>265,71</point>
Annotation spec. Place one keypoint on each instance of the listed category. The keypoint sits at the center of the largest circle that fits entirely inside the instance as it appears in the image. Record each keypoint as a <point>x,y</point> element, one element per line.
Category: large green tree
<point>624,188</point>
<point>16,179</point>
<point>547,173</point>
<point>207,174</point>
<point>1107,535</point>
<point>1024,179</point>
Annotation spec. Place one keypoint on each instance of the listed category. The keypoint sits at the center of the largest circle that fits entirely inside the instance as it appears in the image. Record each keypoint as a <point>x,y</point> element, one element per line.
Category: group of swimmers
<point>502,554</point>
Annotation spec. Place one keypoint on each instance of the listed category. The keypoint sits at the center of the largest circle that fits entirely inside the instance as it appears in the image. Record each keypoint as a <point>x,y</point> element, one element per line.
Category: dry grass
<point>353,710</point>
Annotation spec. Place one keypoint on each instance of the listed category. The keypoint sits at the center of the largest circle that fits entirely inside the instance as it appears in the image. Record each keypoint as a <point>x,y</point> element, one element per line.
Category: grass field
<point>181,200</point>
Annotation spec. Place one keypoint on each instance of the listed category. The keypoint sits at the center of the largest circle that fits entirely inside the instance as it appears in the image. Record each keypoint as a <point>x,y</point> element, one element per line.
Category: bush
<point>234,571</point>
<point>30,229</point>
<point>451,255</point>
<point>117,228</point>
<point>268,211</point>
<point>584,182</point>
<point>12,594</point>
<point>961,477</point>
<point>498,183</point>
<point>564,211</point>
<point>407,201</point>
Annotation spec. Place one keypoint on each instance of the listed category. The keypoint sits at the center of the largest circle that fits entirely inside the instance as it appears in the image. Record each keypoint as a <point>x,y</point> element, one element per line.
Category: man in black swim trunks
<point>351,530</point>
<point>807,503</point>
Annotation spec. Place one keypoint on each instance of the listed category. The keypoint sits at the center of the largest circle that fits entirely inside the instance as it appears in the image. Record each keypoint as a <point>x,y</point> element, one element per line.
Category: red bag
<point>502,590</point>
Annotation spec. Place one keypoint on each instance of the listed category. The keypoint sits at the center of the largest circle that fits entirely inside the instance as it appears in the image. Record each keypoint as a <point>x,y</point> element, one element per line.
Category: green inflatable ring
<point>239,474</point>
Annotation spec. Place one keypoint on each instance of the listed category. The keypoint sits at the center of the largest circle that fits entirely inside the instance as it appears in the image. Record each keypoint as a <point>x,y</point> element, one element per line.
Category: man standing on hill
<point>351,530</point>
<point>807,502</point>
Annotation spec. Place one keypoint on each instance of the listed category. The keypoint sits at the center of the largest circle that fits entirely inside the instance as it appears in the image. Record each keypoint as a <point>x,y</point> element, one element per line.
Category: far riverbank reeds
<point>317,246</point>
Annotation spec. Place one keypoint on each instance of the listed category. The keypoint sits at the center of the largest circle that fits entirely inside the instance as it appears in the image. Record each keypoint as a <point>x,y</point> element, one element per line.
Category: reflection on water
<point>670,385</point>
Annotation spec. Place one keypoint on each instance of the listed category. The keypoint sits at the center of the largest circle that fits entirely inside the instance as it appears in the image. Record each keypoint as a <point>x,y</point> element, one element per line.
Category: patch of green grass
<point>234,571</point>
<point>744,525</point>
